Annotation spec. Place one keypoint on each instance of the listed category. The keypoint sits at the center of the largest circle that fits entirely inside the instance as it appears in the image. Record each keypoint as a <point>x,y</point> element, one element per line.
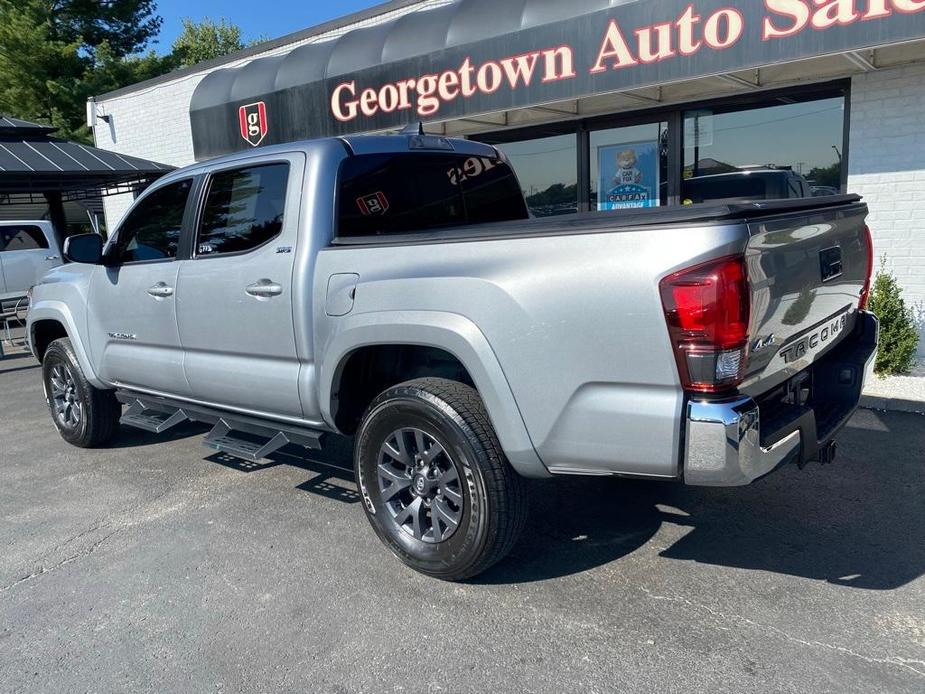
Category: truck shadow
<point>130,437</point>
<point>859,523</point>
<point>331,468</point>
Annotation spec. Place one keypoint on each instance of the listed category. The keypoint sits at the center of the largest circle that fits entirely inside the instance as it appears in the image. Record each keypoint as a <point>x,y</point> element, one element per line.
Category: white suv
<point>28,250</point>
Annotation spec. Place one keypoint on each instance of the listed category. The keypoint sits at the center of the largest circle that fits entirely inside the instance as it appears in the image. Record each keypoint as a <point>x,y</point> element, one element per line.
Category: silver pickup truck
<point>392,288</point>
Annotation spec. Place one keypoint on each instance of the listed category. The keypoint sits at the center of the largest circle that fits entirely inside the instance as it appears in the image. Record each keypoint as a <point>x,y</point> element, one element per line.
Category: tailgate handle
<point>830,263</point>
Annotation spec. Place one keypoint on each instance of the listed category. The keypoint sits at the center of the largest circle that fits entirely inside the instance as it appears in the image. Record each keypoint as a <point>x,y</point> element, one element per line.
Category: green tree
<point>206,40</point>
<point>898,335</point>
<point>826,175</point>
<point>40,72</point>
<point>55,53</point>
<point>125,26</point>
<point>112,72</point>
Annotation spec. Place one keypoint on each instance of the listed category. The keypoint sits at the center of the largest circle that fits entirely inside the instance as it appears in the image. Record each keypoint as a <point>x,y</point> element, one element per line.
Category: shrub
<point>898,335</point>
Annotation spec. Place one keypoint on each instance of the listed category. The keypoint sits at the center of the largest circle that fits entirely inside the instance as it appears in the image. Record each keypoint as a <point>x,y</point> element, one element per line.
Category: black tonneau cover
<point>596,222</point>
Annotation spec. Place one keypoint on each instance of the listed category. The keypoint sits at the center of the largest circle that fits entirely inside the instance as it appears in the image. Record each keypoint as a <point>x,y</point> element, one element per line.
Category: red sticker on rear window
<point>373,205</point>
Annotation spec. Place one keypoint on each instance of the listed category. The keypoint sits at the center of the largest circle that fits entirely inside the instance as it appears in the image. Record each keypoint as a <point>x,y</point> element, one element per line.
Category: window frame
<point>115,246</point>
<point>673,115</point>
<point>203,196</point>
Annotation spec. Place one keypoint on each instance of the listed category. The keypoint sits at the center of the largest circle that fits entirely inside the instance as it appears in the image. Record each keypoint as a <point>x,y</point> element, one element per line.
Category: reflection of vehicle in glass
<point>554,210</point>
<point>748,184</point>
<point>390,288</point>
<point>824,191</point>
<point>27,251</point>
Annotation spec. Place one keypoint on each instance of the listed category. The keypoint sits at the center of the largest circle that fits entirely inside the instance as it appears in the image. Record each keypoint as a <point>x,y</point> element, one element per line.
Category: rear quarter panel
<point>574,320</point>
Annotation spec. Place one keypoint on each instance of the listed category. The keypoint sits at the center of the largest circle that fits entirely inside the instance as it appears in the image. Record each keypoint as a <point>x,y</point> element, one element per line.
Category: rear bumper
<point>725,445</point>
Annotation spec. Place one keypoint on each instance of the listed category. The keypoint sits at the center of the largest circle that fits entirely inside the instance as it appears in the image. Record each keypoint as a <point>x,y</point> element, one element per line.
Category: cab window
<point>243,210</point>
<point>151,231</point>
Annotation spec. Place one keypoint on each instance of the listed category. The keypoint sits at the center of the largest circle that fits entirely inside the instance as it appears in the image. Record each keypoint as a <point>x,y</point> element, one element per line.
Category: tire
<point>413,512</point>
<point>84,416</point>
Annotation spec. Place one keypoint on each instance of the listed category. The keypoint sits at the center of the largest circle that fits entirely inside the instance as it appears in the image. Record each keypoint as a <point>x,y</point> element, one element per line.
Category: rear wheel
<point>436,486</point>
<point>84,416</point>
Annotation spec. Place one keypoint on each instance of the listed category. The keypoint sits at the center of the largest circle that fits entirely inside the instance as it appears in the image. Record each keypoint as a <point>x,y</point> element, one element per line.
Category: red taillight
<point>865,293</point>
<point>707,309</point>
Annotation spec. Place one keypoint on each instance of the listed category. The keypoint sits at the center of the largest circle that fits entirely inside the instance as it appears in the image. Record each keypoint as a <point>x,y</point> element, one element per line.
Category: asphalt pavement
<point>157,566</point>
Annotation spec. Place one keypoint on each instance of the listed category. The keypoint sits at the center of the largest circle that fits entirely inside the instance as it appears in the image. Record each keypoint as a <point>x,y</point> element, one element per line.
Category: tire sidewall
<point>404,407</point>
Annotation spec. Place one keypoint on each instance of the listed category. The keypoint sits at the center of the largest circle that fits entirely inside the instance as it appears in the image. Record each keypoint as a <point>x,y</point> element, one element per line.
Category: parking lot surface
<point>155,566</point>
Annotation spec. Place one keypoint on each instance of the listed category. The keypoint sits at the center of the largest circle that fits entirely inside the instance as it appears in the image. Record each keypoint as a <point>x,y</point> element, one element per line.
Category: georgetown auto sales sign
<point>625,47</point>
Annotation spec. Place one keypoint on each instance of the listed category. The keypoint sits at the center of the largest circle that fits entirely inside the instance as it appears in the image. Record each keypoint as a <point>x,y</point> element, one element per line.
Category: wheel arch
<point>451,340</point>
<point>52,320</point>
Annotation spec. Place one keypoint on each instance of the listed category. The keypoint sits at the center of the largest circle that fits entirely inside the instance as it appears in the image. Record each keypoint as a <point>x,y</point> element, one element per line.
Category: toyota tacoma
<point>393,288</point>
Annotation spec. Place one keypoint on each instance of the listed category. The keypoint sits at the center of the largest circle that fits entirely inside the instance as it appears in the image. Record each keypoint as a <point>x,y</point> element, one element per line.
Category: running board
<point>140,417</point>
<point>241,436</point>
<point>222,440</point>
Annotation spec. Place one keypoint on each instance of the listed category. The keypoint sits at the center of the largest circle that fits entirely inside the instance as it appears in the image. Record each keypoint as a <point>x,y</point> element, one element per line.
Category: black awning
<point>474,57</point>
<point>32,162</point>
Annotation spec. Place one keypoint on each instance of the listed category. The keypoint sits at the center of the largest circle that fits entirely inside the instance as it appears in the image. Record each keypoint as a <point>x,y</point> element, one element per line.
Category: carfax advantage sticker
<point>628,175</point>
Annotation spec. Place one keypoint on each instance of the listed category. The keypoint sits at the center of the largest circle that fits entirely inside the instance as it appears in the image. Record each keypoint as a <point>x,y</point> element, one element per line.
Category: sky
<point>272,18</point>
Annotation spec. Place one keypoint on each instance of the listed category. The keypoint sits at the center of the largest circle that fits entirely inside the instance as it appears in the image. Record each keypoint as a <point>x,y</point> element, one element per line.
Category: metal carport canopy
<point>387,75</point>
<point>33,163</point>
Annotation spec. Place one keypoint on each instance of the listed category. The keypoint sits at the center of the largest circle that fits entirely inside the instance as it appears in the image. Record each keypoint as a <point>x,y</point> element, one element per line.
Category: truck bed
<point>622,220</point>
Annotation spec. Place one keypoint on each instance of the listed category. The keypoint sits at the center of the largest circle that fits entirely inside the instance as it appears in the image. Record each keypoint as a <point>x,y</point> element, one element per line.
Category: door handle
<point>160,291</point>
<point>52,257</point>
<point>264,289</point>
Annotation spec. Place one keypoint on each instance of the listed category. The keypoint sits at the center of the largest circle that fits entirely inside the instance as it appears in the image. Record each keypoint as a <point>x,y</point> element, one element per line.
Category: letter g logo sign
<point>253,122</point>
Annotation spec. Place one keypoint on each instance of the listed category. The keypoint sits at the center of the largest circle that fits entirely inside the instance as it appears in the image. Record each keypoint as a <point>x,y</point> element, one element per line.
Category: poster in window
<point>629,175</point>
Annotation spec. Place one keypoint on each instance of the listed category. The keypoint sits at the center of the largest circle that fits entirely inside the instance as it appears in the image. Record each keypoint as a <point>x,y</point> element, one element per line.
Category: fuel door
<point>342,289</point>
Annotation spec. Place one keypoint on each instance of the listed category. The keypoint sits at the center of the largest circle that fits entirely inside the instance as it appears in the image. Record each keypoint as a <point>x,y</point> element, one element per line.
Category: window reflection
<point>789,150</point>
<point>548,173</point>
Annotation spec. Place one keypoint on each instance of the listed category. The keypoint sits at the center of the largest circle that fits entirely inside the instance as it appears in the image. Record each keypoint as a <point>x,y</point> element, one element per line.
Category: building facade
<point>599,104</point>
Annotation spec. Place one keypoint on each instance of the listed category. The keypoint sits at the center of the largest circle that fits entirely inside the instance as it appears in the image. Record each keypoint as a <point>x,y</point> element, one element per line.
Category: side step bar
<point>221,440</point>
<point>141,417</point>
<point>248,438</point>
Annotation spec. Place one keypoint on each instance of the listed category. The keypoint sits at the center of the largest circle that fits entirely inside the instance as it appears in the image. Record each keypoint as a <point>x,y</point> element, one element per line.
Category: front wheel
<point>436,486</point>
<point>84,416</point>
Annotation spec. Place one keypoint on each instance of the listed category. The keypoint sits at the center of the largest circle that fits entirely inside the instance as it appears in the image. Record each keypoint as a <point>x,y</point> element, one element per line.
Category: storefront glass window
<point>548,172</point>
<point>629,167</point>
<point>788,150</point>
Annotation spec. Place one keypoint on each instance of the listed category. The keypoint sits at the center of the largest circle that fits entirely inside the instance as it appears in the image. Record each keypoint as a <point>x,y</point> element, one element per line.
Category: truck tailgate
<point>807,270</point>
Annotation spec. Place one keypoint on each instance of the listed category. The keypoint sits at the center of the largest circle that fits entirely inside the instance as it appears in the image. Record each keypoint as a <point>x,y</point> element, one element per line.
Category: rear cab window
<point>391,194</point>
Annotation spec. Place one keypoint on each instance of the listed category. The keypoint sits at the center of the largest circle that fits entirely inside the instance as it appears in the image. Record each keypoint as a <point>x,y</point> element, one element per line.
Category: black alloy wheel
<point>420,485</point>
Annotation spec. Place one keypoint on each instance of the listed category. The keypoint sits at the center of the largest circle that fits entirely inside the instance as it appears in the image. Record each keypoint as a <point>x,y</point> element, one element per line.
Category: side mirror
<point>84,248</point>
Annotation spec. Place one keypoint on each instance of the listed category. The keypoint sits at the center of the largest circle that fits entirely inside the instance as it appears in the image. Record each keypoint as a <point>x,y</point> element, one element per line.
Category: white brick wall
<point>887,166</point>
<point>154,123</point>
